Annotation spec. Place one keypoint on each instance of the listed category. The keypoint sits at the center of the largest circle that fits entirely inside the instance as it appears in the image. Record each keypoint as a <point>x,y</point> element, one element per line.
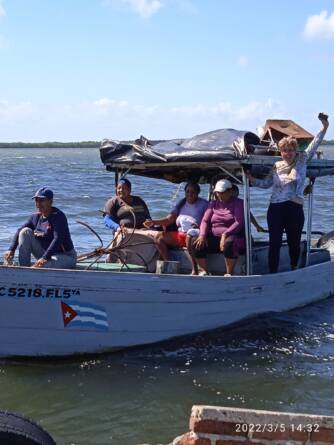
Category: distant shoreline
<point>84,144</point>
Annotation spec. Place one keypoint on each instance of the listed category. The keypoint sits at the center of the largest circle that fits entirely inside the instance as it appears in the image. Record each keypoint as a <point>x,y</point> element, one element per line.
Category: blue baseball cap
<point>43,192</point>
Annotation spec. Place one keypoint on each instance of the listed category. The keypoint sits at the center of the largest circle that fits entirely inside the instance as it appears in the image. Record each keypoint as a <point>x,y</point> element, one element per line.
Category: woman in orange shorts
<point>187,215</point>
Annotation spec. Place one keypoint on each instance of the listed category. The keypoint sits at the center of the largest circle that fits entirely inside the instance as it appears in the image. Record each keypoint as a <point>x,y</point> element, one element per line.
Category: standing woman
<point>285,210</point>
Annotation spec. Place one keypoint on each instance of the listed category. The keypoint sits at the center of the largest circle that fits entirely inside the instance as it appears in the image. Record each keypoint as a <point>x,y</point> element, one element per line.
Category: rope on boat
<point>91,229</point>
<point>100,251</point>
<point>176,192</point>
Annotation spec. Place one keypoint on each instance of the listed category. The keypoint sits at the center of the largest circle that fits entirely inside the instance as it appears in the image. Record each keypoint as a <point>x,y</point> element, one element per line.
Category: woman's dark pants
<point>288,216</point>
<point>214,247</point>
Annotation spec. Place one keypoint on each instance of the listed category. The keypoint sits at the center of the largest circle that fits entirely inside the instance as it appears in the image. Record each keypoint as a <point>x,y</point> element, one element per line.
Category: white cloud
<point>145,8</point>
<point>2,10</point>
<point>121,119</point>
<point>104,102</point>
<point>227,115</point>
<point>243,61</point>
<point>200,111</point>
<point>320,26</point>
<point>259,109</point>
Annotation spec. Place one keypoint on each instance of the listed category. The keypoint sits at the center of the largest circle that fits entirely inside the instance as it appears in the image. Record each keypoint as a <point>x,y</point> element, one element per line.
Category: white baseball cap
<point>222,185</point>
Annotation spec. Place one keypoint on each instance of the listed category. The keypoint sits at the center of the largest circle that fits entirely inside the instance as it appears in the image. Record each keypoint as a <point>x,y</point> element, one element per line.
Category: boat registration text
<point>38,292</point>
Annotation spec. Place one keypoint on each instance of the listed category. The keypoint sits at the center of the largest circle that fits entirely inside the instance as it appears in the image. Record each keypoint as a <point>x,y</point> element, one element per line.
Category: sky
<point>73,70</point>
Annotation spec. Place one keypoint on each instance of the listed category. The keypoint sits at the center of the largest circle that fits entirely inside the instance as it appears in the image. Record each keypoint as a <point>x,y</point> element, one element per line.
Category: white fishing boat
<point>53,312</point>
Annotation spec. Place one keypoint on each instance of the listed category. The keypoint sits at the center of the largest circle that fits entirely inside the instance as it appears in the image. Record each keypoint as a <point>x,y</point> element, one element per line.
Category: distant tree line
<point>83,144</point>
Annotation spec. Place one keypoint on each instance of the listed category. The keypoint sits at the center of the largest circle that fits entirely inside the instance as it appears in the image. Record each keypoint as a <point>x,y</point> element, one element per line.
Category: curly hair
<point>288,141</point>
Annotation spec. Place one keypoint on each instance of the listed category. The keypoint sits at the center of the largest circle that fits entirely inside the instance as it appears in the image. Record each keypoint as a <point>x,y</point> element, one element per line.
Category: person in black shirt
<point>124,209</point>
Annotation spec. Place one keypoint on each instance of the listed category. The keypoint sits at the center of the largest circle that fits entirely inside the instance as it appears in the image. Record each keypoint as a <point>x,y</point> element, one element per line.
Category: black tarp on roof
<point>200,158</point>
<point>218,145</point>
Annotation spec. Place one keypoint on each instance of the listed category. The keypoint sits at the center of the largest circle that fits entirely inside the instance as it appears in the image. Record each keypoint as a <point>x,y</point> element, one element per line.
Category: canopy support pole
<point>116,178</point>
<point>248,235</point>
<point>210,192</point>
<point>230,174</point>
<point>309,221</point>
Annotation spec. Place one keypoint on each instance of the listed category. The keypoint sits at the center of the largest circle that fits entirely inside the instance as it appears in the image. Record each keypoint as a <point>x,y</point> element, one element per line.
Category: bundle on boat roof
<point>191,156</point>
<point>201,158</point>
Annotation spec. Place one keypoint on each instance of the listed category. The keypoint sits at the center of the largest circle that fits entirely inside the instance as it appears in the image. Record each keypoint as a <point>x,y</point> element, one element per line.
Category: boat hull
<point>65,312</point>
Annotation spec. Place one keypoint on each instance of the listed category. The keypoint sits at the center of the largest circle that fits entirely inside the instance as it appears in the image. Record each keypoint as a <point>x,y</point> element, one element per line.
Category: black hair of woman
<point>194,185</point>
<point>125,182</point>
<point>235,190</point>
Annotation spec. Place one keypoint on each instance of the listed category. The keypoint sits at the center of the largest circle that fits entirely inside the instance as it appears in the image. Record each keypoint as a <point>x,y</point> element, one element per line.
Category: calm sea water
<point>281,362</point>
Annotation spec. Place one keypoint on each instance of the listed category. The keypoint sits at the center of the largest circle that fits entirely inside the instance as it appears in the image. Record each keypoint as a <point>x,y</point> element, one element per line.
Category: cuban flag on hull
<point>84,315</point>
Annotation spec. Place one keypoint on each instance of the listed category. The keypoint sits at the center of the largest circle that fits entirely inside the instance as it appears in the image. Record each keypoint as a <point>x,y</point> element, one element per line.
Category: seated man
<point>45,235</point>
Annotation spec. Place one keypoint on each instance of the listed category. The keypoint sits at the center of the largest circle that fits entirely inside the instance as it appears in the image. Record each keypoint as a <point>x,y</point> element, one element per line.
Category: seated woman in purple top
<point>187,215</point>
<point>222,228</point>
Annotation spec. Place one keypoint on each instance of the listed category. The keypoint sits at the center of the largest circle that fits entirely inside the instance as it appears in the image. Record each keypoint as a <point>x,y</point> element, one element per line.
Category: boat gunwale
<point>145,274</point>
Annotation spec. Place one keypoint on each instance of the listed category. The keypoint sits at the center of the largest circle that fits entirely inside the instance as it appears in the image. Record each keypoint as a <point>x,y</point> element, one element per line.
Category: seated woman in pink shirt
<point>222,228</point>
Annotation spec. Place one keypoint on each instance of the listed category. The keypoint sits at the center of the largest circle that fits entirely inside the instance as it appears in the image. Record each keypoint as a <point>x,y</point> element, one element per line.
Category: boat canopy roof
<point>201,158</point>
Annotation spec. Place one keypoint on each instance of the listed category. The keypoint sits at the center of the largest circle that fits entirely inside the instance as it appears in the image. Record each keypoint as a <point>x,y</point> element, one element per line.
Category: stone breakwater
<point>211,425</point>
